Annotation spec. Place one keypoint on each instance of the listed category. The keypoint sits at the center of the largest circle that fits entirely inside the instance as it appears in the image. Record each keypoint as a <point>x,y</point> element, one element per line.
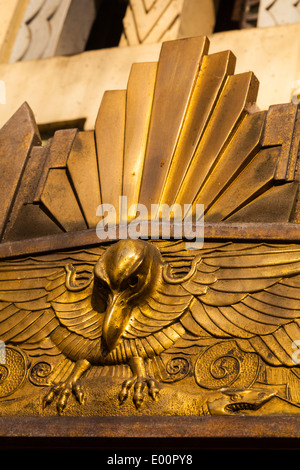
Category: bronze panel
<point>177,72</point>
<point>239,91</point>
<point>17,223</point>
<point>243,146</point>
<point>59,199</point>
<point>159,345</point>
<point>139,100</point>
<point>277,202</point>
<point>16,140</point>
<point>86,184</point>
<point>251,182</point>
<point>58,149</point>
<point>131,329</point>
<point>33,222</point>
<point>279,130</point>
<point>109,134</point>
<point>213,72</point>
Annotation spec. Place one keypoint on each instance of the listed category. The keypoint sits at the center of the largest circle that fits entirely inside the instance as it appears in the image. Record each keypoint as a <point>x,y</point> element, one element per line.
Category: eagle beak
<point>115,321</point>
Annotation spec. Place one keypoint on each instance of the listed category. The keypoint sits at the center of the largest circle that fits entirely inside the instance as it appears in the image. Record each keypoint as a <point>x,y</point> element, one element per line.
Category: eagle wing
<point>254,299</point>
<point>155,324</point>
<point>249,292</point>
<point>35,303</point>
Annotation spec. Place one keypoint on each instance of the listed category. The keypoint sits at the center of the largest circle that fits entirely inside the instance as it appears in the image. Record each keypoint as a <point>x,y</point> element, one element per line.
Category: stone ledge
<point>64,89</point>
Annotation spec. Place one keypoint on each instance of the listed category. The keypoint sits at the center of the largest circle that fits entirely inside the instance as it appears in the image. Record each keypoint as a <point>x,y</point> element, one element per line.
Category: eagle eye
<point>101,284</point>
<point>133,281</point>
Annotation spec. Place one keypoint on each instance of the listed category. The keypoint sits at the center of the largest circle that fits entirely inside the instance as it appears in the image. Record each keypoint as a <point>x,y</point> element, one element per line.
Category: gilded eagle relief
<point>217,326</point>
<point>94,327</point>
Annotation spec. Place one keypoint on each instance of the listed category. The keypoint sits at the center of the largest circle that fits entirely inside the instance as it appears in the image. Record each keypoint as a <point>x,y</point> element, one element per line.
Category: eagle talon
<point>123,395</point>
<point>153,388</point>
<point>63,391</point>
<point>138,396</point>
<point>139,387</point>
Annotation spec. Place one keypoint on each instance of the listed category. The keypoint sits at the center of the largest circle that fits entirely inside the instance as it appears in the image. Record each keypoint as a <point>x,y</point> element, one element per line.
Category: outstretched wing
<point>26,315</point>
<point>36,304</point>
<point>255,299</point>
<point>155,322</point>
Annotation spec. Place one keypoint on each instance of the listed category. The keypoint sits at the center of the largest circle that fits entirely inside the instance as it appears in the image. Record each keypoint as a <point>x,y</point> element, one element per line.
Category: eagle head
<point>129,270</point>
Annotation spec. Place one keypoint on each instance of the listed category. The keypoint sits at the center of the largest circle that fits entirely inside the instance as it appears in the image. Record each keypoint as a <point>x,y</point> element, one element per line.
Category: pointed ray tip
<point>23,118</point>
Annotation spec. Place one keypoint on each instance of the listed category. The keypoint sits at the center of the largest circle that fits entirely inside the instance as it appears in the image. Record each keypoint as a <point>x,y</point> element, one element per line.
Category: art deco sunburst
<point>92,327</point>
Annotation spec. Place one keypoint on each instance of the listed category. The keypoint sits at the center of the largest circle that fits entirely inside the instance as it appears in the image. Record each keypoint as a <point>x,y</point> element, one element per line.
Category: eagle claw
<point>63,391</point>
<point>139,387</point>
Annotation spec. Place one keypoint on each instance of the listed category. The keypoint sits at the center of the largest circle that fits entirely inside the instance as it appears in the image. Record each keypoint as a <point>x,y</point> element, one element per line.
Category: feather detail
<point>35,304</point>
<point>161,309</point>
<point>255,299</point>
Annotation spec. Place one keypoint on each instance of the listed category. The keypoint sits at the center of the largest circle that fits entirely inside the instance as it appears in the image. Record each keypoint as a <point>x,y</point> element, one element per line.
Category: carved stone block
<point>278,13</point>
<point>148,22</point>
<point>52,27</point>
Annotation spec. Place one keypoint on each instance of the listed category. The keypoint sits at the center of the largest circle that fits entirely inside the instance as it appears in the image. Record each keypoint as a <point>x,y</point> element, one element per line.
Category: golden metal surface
<point>135,327</point>
<point>213,72</point>
<point>279,130</point>
<point>56,189</point>
<point>109,133</point>
<point>140,91</point>
<point>57,150</point>
<point>86,183</point>
<point>15,145</point>
<point>235,157</point>
<point>238,92</point>
<point>217,339</point>
<point>254,179</point>
<point>177,72</point>
<point>185,131</point>
<point>263,208</point>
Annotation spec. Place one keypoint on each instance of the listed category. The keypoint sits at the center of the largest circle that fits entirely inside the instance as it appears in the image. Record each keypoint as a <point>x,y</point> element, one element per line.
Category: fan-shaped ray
<point>228,112</point>
<point>184,131</point>
<point>210,81</point>
<point>239,152</point>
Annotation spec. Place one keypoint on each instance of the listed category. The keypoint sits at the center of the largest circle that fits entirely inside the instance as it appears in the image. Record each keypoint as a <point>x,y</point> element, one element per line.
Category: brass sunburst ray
<point>186,130</point>
<point>194,135</point>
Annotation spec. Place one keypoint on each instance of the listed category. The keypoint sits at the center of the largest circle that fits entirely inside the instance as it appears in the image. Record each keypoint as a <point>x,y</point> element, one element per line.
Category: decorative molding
<point>154,327</point>
<point>11,14</point>
<point>52,27</point>
<point>278,12</point>
<point>148,22</point>
<point>248,158</point>
<point>155,21</point>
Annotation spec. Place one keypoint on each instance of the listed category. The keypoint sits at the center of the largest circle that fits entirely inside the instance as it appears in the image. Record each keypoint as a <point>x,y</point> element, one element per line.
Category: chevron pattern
<point>278,12</point>
<point>150,21</point>
<point>46,24</point>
